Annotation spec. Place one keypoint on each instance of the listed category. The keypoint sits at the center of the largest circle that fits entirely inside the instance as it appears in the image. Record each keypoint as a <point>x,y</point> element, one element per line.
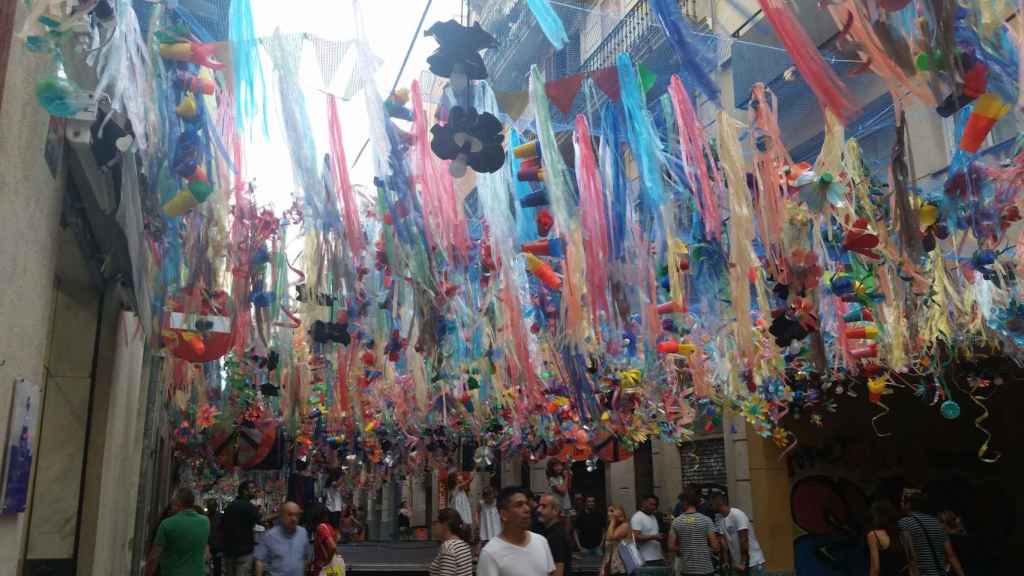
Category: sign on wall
<point>22,426</point>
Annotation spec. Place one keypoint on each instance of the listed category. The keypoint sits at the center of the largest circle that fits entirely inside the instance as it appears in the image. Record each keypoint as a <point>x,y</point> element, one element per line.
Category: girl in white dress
<point>488,518</point>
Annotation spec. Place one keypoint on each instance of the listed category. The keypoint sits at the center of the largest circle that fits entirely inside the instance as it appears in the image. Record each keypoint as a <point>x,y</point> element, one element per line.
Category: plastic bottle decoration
<point>988,109</point>
<point>676,347</point>
<point>543,271</point>
<point>188,108</point>
<point>61,97</point>
<point>187,198</point>
<point>458,53</point>
<point>194,52</point>
<point>469,139</point>
<point>395,105</point>
<point>193,83</point>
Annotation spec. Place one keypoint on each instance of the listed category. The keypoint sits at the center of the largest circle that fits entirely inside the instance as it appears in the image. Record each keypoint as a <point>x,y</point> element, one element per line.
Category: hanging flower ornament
<point>458,53</point>
<point>469,139</point>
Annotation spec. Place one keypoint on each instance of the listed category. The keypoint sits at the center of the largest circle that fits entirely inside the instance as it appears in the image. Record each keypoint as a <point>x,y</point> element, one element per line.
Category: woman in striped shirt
<point>454,558</point>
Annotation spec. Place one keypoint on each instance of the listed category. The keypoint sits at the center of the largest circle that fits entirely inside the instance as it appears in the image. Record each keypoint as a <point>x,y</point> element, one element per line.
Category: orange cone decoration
<point>988,109</point>
<point>543,271</point>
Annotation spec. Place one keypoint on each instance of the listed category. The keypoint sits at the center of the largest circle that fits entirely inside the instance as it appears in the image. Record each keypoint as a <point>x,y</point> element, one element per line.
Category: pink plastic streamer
<point>826,85</point>
<point>696,150</point>
<point>851,18</point>
<point>593,220</point>
<point>437,191</point>
<point>342,183</point>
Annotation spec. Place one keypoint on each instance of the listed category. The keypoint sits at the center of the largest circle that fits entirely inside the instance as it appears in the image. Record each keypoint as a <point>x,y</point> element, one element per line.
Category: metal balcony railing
<point>637,33</point>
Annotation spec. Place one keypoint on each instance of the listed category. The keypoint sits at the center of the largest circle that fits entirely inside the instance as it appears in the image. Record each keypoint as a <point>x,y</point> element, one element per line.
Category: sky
<point>389,26</point>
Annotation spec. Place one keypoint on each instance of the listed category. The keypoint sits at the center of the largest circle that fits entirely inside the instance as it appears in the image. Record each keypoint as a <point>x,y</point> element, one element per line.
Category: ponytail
<point>453,521</point>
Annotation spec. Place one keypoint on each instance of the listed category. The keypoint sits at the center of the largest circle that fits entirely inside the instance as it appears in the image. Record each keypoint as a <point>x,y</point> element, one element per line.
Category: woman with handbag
<point>617,539</point>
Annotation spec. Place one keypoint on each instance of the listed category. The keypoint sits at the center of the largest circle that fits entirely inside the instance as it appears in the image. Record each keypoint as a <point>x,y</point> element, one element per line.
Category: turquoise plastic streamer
<point>250,86</point>
<point>549,22</point>
<point>643,140</point>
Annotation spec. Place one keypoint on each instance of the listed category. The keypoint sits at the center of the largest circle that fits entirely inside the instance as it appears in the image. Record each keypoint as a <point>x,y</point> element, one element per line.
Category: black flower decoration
<point>459,49</point>
<point>469,138</point>
<point>786,330</point>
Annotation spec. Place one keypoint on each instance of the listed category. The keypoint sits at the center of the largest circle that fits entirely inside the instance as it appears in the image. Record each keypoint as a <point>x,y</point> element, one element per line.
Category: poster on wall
<point>17,462</point>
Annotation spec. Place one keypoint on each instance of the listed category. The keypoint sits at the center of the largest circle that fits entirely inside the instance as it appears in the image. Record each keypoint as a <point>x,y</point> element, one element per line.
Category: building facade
<point>69,331</point>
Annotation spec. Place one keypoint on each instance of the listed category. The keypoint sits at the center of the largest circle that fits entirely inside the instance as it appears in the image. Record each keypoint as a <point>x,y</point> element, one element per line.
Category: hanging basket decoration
<point>469,139</point>
<point>199,325</point>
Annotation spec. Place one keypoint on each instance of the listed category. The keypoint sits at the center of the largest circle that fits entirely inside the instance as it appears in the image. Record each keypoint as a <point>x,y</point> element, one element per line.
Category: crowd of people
<point>515,533</point>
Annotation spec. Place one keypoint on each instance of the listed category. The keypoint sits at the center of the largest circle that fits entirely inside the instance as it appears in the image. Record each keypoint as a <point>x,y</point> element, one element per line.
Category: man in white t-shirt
<point>744,552</point>
<point>516,551</point>
<point>647,531</point>
<point>334,503</point>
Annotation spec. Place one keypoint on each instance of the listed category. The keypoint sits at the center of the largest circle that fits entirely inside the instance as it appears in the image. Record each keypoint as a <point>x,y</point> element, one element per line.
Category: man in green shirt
<point>181,540</point>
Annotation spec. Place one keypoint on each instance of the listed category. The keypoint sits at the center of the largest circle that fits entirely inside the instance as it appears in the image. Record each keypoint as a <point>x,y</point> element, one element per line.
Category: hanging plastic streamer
<point>694,60</point>
<point>614,175</point>
<point>698,156</point>
<point>769,157</point>
<point>250,89</point>
<point>643,140</point>
<point>437,191</point>
<point>494,190</point>
<point>563,208</point>
<point>342,182</point>
<point>549,22</point>
<point>856,26</point>
<point>126,76</point>
<point>285,52</point>
<point>593,219</point>
<point>741,236</point>
<point>826,85</point>
<point>366,69</point>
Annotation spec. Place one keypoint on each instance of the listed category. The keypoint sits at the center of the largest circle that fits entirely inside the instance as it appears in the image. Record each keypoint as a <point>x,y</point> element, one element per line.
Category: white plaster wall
<point>29,216</point>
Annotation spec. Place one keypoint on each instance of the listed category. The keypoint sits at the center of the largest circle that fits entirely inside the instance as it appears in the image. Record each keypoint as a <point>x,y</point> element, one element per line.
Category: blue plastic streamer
<point>614,179</point>
<point>549,22</point>
<point>692,61</point>
<point>250,87</point>
<point>643,140</point>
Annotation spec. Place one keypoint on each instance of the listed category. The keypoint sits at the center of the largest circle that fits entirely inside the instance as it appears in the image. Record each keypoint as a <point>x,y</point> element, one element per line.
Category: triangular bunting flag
<point>647,78</point>
<point>607,79</point>
<point>329,55</point>
<point>563,91</point>
<point>513,103</point>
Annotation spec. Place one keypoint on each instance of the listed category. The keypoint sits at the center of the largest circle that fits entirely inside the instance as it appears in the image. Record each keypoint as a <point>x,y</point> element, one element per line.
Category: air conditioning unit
<point>101,163</point>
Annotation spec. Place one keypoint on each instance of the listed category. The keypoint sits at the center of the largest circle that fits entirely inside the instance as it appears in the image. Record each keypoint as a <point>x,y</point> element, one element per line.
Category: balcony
<point>520,39</point>
<point>638,32</point>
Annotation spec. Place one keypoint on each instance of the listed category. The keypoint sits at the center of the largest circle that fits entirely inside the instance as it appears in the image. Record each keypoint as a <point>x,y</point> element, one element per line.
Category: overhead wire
<point>398,76</point>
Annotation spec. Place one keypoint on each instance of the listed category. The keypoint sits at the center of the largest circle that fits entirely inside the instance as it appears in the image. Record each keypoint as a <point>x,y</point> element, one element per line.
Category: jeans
<point>240,566</point>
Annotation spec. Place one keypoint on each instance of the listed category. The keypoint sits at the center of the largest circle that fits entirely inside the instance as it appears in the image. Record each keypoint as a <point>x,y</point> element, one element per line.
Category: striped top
<point>455,558</point>
<point>926,535</point>
<point>694,554</point>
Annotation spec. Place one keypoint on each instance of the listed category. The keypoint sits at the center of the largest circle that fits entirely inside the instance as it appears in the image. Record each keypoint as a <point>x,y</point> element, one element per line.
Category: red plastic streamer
<point>342,183</point>
<point>593,220</point>
<point>826,85</point>
<point>695,147</point>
